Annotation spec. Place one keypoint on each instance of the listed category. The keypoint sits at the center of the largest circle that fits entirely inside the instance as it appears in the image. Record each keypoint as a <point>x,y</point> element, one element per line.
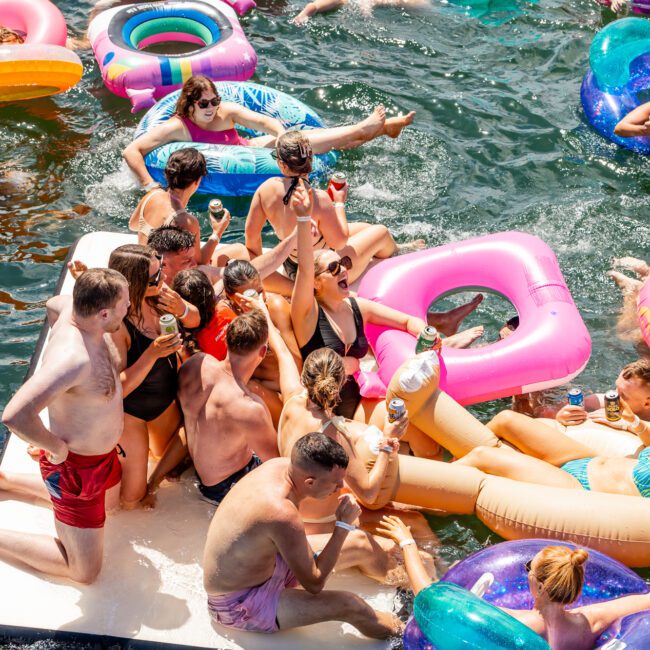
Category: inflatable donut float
<point>643,310</point>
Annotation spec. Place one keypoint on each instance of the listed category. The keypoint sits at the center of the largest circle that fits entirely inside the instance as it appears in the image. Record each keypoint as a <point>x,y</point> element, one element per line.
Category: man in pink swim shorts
<point>257,550</point>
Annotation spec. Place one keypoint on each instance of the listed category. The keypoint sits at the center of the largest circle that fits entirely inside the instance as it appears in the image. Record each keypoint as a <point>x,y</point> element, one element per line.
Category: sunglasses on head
<point>153,282</point>
<point>204,103</point>
<point>334,267</point>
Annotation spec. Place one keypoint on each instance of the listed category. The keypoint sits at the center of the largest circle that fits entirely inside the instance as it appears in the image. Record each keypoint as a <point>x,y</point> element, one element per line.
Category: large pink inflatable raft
<point>550,346</point>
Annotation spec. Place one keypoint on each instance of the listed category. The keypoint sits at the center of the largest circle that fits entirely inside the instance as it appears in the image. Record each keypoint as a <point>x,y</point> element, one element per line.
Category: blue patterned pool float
<point>234,170</point>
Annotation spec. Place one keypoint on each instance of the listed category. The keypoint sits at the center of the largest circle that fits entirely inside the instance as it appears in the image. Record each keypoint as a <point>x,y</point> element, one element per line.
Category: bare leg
<point>372,241</point>
<point>229,252</point>
<point>30,485</point>
<point>628,323</point>
<point>77,553</point>
<point>447,322</point>
<point>517,466</point>
<point>174,455</point>
<point>465,338</point>
<point>537,439</point>
<point>297,608</point>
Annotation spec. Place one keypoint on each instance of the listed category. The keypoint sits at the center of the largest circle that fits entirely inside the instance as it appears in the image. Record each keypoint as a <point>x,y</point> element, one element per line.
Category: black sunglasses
<point>528,566</point>
<point>334,267</point>
<point>204,103</point>
<point>153,282</point>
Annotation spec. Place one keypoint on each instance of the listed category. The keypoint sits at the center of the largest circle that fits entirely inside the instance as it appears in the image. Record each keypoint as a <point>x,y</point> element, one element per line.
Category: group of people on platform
<point>257,390</point>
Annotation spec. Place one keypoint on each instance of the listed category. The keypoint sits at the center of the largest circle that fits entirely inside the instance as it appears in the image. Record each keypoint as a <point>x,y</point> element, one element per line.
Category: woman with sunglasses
<point>202,117</point>
<point>555,578</point>
<point>149,368</point>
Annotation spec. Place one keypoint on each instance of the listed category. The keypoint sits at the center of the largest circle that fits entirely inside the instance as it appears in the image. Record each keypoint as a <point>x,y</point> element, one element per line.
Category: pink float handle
<point>40,20</point>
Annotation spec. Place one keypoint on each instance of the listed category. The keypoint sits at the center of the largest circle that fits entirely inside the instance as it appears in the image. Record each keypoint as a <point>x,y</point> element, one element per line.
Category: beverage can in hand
<point>396,409</point>
<point>429,339</point>
<point>338,181</point>
<point>216,209</point>
<point>575,397</point>
<point>612,406</point>
<point>168,324</point>
<point>251,293</point>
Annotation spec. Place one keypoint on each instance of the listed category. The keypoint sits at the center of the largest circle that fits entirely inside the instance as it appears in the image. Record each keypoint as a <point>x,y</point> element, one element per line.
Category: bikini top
<point>198,134</point>
<point>324,336</point>
<point>641,473</point>
<point>146,228</point>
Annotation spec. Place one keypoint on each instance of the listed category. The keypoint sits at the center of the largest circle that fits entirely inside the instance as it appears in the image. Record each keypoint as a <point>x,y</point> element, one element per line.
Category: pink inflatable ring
<point>643,310</point>
<point>550,346</point>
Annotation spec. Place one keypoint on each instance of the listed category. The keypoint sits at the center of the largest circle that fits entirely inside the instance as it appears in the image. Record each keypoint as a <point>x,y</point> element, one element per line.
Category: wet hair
<point>247,333</point>
<point>194,286</point>
<point>238,273</point>
<point>561,572</point>
<point>170,239</point>
<point>323,375</point>
<point>191,92</point>
<point>513,323</point>
<point>295,151</point>
<point>133,262</point>
<point>97,289</point>
<point>639,369</point>
<point>317,449</point>
<point>184,167</point>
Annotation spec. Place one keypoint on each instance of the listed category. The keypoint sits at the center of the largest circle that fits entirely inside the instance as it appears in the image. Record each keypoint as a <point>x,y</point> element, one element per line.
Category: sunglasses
<point>155,280</point>
<point>204,103</point>
<point>528,566</point>
<point>334,267</point>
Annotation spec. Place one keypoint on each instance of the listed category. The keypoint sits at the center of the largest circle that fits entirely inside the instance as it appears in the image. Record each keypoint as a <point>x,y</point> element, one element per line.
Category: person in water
<point>78,383</point>
<point>550,457</point>
<point>556,577</point>
<point>257,551</point>
<point>366,6</point>
<point>636,123</point>
<point>201,116</point>
<point>324,314</point>
<point>184,171</point>
<point>271,203</point>
<point>10,36</point>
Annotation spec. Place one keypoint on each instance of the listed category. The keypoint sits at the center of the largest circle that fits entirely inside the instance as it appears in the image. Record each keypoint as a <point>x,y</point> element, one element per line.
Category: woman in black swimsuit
<point>149,370</point>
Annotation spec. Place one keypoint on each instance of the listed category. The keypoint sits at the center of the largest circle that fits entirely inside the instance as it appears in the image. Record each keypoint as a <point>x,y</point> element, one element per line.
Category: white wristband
<point>339,204</point>
<point>406,542</point>
<point>344,526</point>
<point>303,219</point>
<point>214,237</point>
<point>185,313</point>
<point>634,424</point>
<point>387,449</point>
<point>151,185</point>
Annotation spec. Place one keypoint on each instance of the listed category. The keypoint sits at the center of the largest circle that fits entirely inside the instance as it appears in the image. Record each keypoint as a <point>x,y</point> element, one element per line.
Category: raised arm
<point>255,221</point>
<point>635,123</point>
<point>170,131</point>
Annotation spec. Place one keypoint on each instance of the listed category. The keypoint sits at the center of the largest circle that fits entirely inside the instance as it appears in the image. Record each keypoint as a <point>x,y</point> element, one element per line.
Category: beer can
<point>396,409</point>
<point>251,293</point>
<point>168,324</point>
<point>429,339</point>
<point>575,397</point>
<point>216,209</point>
<point>612,406</point>
<point>337,182</point>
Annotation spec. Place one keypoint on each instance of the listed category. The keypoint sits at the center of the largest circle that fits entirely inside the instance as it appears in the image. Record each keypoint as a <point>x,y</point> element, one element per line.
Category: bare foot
<point>447,322</point>
<point>464,339</point>
<point>410,246</point>
<point>624,283</point>
<point>373,125</point>
<point>641,268</point>
<point>148,502</point>
<point>394,125</point>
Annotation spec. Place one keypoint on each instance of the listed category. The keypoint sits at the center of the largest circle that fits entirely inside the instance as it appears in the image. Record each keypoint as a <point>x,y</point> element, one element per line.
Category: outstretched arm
<point>602,615</point>
<point>316,7</point>
<point>255,121</point>
<point>378,314</point>
<point>635,123</point>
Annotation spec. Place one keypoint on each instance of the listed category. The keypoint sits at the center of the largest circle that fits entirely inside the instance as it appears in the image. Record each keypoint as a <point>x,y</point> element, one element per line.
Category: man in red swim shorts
<point>79,385</point>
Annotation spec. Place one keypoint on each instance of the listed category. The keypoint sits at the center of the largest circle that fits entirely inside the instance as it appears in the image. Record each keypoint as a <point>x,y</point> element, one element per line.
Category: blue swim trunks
<point>578,469</point>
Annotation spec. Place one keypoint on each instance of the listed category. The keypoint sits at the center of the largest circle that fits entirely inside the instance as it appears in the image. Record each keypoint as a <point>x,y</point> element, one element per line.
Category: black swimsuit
<point>324,336</point>
<point>158,389</point>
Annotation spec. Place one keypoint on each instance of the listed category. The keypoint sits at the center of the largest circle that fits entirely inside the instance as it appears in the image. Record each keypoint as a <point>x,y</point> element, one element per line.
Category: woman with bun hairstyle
<point>555,579</point>
<point>184,171</point>
<point>201,116</point>
<point>309,403</point>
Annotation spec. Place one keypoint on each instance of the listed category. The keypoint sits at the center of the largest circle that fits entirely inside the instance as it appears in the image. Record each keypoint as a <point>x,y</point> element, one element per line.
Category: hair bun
<point>579,557</point>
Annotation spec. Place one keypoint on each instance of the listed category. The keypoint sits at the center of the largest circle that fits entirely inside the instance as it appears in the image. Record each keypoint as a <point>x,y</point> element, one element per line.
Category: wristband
<point>303,219</point>
<point>406,542</point>
<point>635,423</point>
<point>151,185</point>
<point>344,526</point>
<point>387,449</point>
<point>185,313</point>
<point>214,237</point>
<point>339,204</point>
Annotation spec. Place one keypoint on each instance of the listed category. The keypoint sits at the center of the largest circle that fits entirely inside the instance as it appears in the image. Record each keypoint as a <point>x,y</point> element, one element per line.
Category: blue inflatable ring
<point>235,170</point>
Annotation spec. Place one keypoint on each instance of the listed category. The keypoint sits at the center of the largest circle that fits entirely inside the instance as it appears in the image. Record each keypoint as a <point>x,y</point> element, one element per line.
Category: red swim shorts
<point>77,487</point>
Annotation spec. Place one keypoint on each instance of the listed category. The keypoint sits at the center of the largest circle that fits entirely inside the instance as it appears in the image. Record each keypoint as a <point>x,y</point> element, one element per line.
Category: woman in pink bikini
<point>201,116</point>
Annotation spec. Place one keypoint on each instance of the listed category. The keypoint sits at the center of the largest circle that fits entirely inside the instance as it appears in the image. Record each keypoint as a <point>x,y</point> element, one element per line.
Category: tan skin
<point>258,519</point>
<point>574,629</point>
<point>545,449</point>
<point>227,115</point>
<point>366,6</point>
<point>636,123</point>
<point>140,436</point>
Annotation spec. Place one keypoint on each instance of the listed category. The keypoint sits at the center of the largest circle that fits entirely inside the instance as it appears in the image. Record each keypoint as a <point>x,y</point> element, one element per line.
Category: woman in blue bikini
<point>551,458</point>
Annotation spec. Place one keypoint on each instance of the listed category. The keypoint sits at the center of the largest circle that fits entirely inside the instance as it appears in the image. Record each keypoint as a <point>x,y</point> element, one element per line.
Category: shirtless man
<point>79,385</point>
<point>229,428</point>
<point>257,550</point>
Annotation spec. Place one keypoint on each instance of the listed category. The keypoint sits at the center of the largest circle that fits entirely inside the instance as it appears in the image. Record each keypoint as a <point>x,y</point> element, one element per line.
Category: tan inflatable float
<point>615,524</point>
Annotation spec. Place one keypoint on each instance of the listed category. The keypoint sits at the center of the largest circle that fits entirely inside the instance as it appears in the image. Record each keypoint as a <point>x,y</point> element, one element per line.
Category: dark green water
<point>499,143</point>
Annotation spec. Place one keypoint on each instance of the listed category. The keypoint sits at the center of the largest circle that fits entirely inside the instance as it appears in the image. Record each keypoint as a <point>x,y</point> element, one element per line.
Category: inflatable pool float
<point>605,579</point>
<point>550,346</point>
<point>118,37</point>
<point>42,65</point>
<point>234,170</point>
<point>643,310</point>
<point>619,59</point>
